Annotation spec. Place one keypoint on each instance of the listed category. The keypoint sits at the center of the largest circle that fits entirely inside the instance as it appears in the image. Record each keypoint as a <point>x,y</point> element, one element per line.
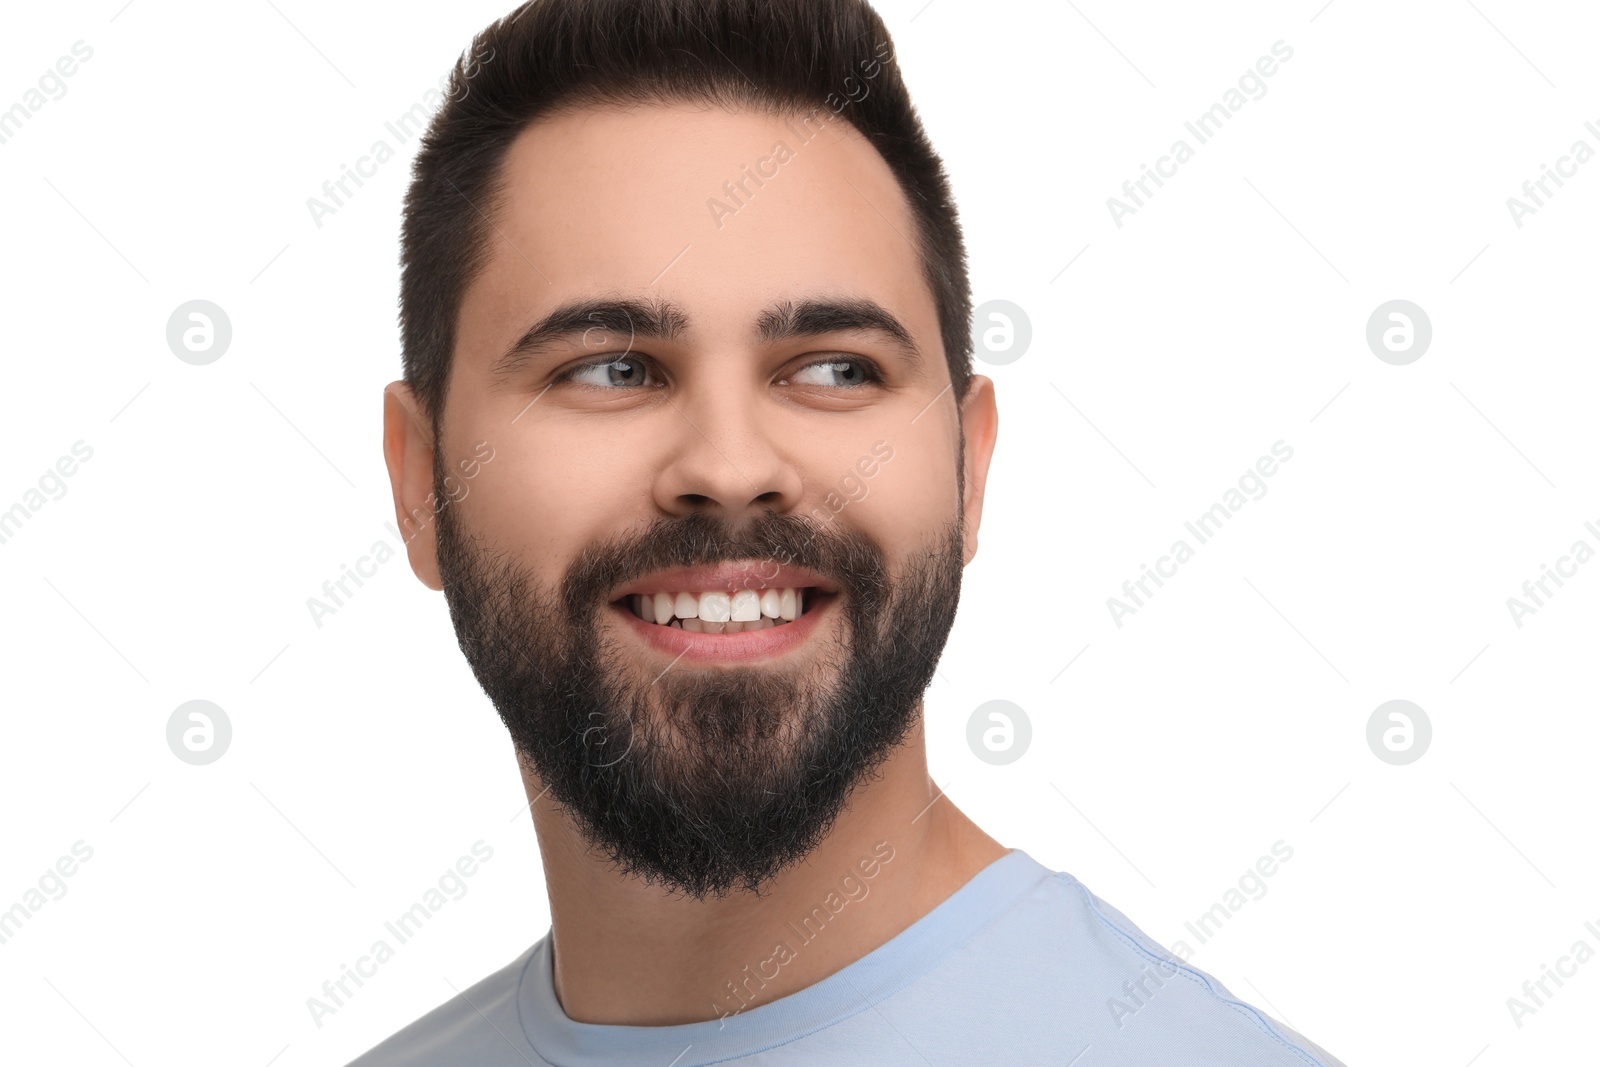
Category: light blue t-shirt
<point>1022,965</point>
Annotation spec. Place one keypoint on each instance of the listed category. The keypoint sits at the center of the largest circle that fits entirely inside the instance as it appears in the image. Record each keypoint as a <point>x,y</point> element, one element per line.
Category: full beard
<point>705,780</point>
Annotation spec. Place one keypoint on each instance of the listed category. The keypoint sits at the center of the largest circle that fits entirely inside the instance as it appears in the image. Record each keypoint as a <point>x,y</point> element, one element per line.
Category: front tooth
<point>686,606</point>
<point>746,606</point>
<point>693,625</point>
<point>786,605</point>
<point>771,603</point>
<point>715,607</point>
<point>661,606</point>
<point>640,608</point>
<point>735,627</point>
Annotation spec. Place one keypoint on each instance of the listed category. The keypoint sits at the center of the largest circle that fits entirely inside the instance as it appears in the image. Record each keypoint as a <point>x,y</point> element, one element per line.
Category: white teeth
<point>662,604</point>
<point>719,612</point>
<point>746,606</point>
<point>715,607</point>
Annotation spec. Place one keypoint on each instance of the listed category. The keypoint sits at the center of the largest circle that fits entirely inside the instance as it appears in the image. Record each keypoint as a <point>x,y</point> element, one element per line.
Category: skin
<point>599,202</point>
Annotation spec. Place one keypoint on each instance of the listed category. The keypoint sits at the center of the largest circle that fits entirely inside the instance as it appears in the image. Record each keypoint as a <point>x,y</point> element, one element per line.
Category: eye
<point>629,372</point>
<point>835,373</point>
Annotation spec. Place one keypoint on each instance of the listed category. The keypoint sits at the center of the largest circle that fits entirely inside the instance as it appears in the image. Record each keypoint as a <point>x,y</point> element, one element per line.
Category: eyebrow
<point>663,320</point>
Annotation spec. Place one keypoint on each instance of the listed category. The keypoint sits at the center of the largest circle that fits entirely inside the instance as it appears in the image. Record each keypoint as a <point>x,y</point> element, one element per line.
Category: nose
<point>727,458</point>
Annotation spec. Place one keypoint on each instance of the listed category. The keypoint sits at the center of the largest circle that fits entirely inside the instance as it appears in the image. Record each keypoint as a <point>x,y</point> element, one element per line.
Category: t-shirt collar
<point>879,974</point>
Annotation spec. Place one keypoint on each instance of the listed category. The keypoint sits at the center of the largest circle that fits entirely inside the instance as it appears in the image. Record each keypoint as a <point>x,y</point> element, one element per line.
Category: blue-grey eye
<point>834,373</point>
<point>625,373</point>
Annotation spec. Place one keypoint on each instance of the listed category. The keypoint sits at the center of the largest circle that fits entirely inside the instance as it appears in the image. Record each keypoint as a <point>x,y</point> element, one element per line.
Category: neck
<point>897,851</point>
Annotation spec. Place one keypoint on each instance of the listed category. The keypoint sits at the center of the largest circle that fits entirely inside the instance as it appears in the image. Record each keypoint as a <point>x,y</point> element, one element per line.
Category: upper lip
<point>728,578</point>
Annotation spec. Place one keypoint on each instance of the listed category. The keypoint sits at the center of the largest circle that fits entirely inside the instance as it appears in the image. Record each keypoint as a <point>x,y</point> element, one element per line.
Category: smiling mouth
<point>716,612</point>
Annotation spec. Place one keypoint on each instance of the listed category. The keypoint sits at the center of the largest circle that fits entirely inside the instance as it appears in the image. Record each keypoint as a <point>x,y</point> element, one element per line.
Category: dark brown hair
<point>782,56</point>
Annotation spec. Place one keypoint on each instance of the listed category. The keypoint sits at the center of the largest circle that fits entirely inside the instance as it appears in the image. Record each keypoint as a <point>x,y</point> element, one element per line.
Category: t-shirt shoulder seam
<point>1192,974</point>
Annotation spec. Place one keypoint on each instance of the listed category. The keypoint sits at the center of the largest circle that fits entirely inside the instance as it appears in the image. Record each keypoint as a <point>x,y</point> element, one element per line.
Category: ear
<point>980,423</point>
<point>408,453</point>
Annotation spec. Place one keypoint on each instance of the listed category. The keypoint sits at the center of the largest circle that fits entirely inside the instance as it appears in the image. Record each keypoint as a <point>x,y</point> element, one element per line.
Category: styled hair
<point>782,57</point>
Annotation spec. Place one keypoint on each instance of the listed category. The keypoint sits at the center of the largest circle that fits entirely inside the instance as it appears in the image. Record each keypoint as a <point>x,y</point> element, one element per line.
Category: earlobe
<point>980,425</point>
<point>408,454</point>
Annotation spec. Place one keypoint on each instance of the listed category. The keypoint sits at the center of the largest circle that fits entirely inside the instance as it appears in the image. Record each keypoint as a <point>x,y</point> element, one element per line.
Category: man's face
<point>726,426</point>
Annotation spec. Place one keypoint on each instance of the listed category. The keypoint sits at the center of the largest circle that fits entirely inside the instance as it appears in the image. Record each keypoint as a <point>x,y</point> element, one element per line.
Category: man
<point>689,439</point>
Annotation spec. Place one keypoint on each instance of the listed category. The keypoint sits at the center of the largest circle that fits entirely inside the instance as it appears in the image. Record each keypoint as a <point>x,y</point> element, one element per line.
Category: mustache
<point>847,557</point>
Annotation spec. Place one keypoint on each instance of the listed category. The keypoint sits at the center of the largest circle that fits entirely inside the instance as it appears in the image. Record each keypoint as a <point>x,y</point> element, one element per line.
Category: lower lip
<point>727,648</point>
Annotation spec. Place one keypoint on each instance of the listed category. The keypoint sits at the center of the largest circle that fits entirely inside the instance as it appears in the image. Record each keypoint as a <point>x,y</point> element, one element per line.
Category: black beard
<point>705,780</point>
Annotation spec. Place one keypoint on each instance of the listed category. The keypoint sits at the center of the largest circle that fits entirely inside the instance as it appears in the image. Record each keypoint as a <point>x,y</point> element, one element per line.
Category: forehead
<point>722,212</point>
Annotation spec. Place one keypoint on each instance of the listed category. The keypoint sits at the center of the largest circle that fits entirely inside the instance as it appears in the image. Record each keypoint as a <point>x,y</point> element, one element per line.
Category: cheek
<point>544,505</point>
<point>912,495</point>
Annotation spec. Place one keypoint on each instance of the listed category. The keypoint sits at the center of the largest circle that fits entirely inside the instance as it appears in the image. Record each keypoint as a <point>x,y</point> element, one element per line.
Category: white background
<point>1227,714</point>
